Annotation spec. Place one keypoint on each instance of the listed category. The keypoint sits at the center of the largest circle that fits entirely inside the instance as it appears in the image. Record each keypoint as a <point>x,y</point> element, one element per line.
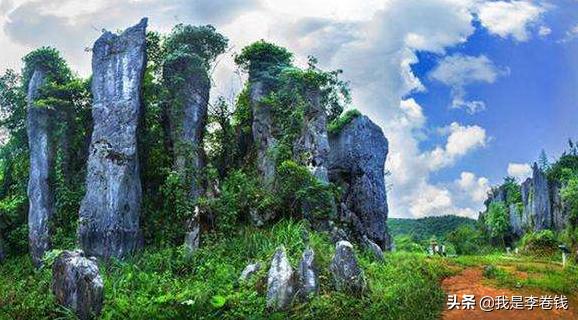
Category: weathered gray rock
<point>516,224</point>
<point>192,236</point>
<point>188,116</point>
<point>347,276</point>
<point>559,208</point>
<point>40,192</point>
<point>373,248</point>
<point>312,147</point>
<point>262,129</point>
<point>77,284</point>
<point>308,282</point>
<point>338,234</point>
<point>536,198</point>
<point>280,281</point>
<point>249,271</point>
<point>356,162</point>
<point>109,213</point>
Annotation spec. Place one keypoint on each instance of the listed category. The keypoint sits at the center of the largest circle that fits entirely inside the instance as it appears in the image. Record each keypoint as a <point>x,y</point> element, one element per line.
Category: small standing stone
<point>249,271</point>
<point>374,248</point>
<point>280,281</point>
<point>308,281</point>
<point>347,275</point>
<point>192,236</point>
<point>77,284</point>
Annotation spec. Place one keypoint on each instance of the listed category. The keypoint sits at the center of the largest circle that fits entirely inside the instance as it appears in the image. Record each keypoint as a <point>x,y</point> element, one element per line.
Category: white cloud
<point>570,35</point>
<point>459,71</point>
<point>476,188</point>
<point>520,171</point>
<point>461,140</point>
<point>544,31</point>
<point>509,18</point>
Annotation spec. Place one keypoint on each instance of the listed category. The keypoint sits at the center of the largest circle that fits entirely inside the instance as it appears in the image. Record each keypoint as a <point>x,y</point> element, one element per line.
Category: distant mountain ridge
<point>425,228</point>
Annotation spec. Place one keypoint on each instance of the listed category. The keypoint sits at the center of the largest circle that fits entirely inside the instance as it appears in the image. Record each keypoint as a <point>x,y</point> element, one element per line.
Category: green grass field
<point>164,284</point>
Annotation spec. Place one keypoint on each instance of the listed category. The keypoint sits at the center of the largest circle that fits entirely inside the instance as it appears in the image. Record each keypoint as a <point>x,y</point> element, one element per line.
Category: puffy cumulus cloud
<point>476,188</point>
<point>520,171</point>
<point>509,18</point>
<point>461,140</point>
<point>459,71</point>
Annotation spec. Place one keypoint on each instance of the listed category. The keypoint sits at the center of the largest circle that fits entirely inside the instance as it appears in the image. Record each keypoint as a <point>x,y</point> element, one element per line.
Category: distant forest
<point>425,228</point>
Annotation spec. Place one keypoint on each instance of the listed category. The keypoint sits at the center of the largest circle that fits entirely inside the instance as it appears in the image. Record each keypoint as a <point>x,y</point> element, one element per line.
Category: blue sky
<point>466,91</point>
<point>533,107</point>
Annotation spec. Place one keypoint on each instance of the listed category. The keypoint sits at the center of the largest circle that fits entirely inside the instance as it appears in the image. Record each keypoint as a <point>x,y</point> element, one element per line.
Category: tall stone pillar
<point>40,184</point>
<point>110,210</point>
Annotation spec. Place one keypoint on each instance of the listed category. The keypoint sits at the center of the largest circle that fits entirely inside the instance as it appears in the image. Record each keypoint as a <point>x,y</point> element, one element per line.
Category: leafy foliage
<point>498,221</point>
<point>540,243</point>
<point>263,60</point>
<point>50,61</point>
<point>202,41</point>
<point>338,123</point>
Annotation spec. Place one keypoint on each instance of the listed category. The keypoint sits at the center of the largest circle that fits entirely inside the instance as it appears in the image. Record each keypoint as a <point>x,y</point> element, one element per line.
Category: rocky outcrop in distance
<point>77,284</point>
<point>110,210</point>
<point>356,162</point>
<point>40,184</point>
<point>541,205</point>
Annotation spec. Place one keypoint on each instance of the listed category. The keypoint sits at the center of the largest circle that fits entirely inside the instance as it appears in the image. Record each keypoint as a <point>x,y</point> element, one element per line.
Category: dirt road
<point>471,282</point>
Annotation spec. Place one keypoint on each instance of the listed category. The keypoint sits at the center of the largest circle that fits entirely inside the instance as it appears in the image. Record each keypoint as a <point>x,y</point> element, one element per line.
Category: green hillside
<point>425,228</point>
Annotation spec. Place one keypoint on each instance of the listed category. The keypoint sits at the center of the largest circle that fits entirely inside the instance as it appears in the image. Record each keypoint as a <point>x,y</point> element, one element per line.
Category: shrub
<point>540,243</point>
<point>337,125</point>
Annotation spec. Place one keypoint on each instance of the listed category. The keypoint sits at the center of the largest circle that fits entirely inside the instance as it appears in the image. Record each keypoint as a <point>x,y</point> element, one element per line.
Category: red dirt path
<point>470,282</point>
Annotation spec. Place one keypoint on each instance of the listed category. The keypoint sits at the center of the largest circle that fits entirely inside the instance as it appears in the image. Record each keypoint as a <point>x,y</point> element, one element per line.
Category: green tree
<point>498,221</point>
<point>543,162</point>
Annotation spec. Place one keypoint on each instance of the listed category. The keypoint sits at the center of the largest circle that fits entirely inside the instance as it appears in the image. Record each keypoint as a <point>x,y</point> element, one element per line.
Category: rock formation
<point>262,129</point>
<point>559,209</point>
<point>187,116</point>
<point>77,284</point>
<point>192,236</point>
<point>280,281</point>
<point>347,276</point>
<point>356,162</point>
<point>308,282</point>
<point>373,248</point>
<point>40,193</point>
<point>536,198</point>
<point>541,205</point>
<point>249,271</point>
<point>109,213</point>
<point>312,148</point>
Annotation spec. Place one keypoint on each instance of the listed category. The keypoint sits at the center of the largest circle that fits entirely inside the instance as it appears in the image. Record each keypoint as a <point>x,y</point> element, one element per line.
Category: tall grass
<point>162,283</point>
